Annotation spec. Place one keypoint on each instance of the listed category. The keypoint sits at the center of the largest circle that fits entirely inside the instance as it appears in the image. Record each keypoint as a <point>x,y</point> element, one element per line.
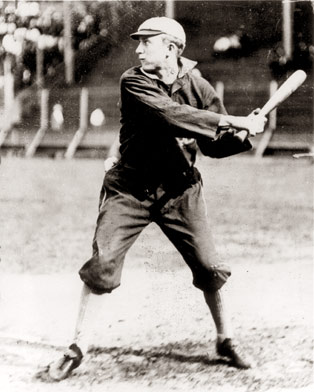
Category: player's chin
<point>147,67</point>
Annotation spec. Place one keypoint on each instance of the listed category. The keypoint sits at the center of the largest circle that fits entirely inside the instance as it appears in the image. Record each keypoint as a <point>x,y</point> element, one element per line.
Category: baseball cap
<point>160,25</point>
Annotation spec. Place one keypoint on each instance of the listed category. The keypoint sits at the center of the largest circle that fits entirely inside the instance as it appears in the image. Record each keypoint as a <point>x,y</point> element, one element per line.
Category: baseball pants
<point>122,218</point>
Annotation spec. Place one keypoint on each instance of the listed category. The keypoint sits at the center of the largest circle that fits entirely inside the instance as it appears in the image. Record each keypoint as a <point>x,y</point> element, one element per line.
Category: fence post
<point>272,124</point>
<point>170,8</point>
<point>44,122</point>
<point>67,36</point>
<point>287,27</point>
<point>39,66</point>
<point>8,84</point>
<point>8,98</point>
<point>220,88</point>
<point>80,133</point>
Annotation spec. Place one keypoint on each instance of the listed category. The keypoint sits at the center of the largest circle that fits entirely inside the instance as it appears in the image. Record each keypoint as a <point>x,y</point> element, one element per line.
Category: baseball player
<point>167,113</point>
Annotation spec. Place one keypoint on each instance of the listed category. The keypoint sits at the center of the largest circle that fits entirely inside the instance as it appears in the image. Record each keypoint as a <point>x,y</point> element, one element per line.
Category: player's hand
<point>256,122</point>
<point>109,163</point>
<point>253,123</point>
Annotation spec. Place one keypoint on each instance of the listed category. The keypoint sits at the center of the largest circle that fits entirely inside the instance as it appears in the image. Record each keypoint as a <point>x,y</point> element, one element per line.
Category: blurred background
<point>60,64</point>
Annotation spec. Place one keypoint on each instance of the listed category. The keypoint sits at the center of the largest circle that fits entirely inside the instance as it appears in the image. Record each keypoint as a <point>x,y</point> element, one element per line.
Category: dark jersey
<point>162,125</point>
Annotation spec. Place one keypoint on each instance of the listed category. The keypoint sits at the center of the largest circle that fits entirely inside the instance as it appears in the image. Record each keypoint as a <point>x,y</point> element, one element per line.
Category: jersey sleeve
<point>225,143</point>
<point>147,99</point>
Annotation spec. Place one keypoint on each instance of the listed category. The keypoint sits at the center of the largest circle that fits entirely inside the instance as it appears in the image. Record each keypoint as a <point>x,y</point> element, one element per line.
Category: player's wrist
<point>242,135</point>
<point>238,122</point>
<point>223,122</point>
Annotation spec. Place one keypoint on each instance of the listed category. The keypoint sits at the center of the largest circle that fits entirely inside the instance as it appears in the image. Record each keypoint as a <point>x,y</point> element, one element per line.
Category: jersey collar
<point>185,65</point>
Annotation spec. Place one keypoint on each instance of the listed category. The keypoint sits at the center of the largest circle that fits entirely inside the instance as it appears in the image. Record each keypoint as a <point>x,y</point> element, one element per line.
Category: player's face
<point>152,52</point>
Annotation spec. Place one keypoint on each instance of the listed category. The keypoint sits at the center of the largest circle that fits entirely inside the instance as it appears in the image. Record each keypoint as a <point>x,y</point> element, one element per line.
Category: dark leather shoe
<point>228,348</point>
<point>62,368</point>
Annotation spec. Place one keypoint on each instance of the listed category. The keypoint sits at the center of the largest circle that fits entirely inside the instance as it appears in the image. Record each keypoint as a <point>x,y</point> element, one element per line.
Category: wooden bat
<point>284,91</point>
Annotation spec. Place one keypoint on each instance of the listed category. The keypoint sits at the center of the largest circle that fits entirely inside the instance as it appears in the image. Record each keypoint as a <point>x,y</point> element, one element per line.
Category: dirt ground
<point>156,334</point>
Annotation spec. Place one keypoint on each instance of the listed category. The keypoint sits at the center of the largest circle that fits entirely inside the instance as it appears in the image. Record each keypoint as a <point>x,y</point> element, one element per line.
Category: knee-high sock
<point>217,308</point>
<point>82,327</point>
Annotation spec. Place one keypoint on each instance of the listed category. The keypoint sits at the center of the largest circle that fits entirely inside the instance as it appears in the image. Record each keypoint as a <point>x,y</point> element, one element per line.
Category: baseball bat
<point>284,91</point>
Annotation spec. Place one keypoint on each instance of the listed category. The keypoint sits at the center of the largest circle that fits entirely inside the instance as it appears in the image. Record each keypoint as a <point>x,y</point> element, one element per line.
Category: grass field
<point>156,335</point>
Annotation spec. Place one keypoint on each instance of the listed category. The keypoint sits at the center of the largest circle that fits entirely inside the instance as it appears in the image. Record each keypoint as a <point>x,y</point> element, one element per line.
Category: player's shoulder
<point>198,79</point>
<point>132,73</point>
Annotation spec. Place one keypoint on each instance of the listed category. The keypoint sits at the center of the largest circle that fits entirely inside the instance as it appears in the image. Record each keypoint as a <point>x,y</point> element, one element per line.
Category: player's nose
<point>139,49</point>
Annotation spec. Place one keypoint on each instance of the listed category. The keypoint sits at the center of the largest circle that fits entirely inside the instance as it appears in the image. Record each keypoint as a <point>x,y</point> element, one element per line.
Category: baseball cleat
<point>231,350</point>
<point>62,368</point>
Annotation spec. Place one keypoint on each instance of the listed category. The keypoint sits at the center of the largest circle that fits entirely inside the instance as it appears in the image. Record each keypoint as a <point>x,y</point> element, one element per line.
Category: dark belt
<point>141,185</point>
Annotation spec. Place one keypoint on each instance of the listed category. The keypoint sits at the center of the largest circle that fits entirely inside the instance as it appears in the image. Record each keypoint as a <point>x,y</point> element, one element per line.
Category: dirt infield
<point>156,335</point>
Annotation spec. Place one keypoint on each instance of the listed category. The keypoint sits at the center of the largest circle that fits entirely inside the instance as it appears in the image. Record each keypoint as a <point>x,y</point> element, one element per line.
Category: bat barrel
<point>284,91</point>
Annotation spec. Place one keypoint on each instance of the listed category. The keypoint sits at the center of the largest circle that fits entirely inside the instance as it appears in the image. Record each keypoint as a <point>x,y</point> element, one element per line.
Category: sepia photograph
<point>156,195</point>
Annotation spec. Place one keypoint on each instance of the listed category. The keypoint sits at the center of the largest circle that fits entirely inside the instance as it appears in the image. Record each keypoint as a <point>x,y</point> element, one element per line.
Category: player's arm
<point>113,154</point>
<point>186,121</point>
<point>226,144</point>
<point>255,124</point>
<point>228,141</point>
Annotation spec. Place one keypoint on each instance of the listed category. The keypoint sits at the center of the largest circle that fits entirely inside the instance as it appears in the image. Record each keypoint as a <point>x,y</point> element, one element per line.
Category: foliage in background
<point>96,28</point>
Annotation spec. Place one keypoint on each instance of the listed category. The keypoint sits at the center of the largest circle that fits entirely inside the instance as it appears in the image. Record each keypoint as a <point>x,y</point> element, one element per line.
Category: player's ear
<point>172,48</point>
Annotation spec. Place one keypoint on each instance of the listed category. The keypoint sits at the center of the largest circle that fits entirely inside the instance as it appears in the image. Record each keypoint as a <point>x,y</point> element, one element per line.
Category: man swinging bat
<point>167,113</point>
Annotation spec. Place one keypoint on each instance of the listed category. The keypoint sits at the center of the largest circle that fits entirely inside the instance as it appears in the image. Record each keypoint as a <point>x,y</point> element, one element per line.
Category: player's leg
<point>218,309</point>
<point>185,222</point>
<point>120,221</point>
<point>226,345</point>
<point>72,357</point>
